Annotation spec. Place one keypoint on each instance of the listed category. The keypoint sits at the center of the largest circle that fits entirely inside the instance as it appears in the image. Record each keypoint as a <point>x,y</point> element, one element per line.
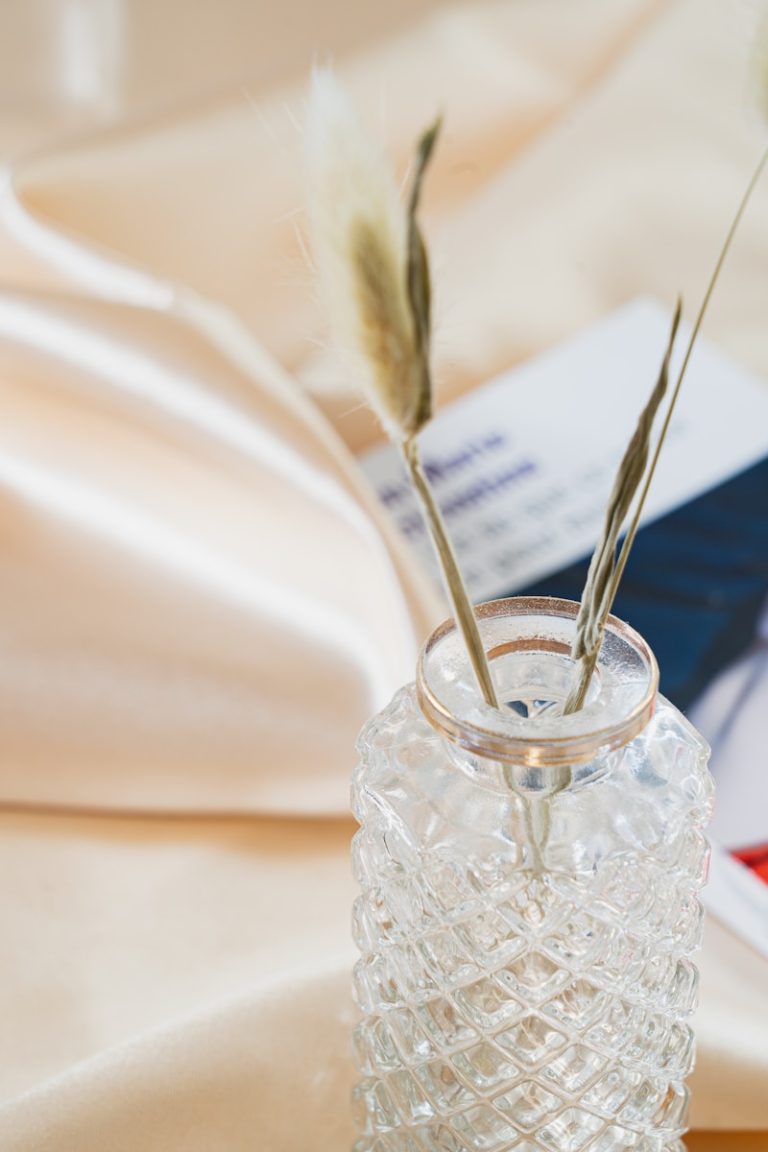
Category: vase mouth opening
<point>528,642</point>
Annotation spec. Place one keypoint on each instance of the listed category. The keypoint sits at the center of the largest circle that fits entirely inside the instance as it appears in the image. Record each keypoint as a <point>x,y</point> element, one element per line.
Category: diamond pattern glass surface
<point>511,1003</point>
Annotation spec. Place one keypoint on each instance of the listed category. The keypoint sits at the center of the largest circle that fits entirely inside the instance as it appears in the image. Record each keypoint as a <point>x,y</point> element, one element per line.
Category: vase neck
<point>528,641</point>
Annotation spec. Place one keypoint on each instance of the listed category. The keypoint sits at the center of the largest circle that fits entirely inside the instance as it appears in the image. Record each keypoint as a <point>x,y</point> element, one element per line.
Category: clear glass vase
<point>528,900</point>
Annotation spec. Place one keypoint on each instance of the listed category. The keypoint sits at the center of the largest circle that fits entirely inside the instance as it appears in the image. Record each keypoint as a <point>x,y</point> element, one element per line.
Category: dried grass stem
<point>454,583</point>
<point>594,610</point>
<point>598,592</point>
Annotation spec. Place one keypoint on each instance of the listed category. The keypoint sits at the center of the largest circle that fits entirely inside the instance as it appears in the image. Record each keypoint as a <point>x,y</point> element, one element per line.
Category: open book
<point>522,468</point>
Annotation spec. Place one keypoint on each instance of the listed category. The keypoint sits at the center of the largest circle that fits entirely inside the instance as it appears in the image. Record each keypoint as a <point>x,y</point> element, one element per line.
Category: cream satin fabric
<point>201,601</point>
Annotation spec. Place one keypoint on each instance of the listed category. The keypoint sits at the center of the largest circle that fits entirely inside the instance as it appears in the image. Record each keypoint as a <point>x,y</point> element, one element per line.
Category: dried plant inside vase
<point>374,267</point>
<point>528,892</point>
<point>375,271</point>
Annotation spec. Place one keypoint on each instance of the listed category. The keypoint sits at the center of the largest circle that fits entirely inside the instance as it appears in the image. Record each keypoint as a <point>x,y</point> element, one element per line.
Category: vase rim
<point>552,741</point>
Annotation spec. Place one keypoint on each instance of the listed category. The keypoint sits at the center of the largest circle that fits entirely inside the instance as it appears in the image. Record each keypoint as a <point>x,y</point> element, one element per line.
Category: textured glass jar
<point>528,904</point>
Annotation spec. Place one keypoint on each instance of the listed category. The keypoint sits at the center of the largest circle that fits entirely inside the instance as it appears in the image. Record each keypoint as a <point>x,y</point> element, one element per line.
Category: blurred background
<point>66,65</point>
<point>200,598</point>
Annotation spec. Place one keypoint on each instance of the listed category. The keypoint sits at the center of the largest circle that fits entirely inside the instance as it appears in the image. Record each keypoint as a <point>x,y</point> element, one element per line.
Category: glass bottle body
<point>526,925</point>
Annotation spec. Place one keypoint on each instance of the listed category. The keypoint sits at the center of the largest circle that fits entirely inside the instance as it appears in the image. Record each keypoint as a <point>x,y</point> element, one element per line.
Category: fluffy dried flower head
<point>361,244</point>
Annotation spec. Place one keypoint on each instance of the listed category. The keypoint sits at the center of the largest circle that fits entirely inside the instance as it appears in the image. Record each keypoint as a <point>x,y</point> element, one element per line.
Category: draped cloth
<point>201,601</point>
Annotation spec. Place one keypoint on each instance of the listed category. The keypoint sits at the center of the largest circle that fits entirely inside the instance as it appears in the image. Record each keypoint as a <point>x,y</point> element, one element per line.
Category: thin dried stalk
<point>760,66</point>
<point>375,267</point>
<point>418,278</point>
<point>595,600</point>
<point>593,615</point>
<point>420,298</point>
<point>460,603</point>
<point>725,249</point>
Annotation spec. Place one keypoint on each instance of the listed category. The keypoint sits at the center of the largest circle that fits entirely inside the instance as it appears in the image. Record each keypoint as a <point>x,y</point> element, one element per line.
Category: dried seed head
<point>362,241</point>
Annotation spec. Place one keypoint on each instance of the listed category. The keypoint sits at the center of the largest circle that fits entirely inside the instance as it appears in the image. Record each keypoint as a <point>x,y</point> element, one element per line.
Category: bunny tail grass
<point>374,269</point>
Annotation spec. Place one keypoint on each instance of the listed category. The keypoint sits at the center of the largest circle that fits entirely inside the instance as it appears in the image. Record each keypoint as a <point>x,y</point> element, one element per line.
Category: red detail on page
<point>755,858</point>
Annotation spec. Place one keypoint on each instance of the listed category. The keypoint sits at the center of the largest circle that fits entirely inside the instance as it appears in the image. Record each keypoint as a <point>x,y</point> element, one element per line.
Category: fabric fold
<point>200,599</point>
<point>176,619</point>
<point>235,1079</point>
